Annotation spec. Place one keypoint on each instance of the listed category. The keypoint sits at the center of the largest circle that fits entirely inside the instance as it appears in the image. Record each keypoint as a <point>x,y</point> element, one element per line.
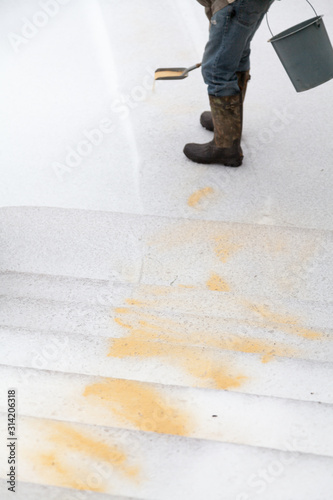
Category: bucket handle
<point>305,0</point>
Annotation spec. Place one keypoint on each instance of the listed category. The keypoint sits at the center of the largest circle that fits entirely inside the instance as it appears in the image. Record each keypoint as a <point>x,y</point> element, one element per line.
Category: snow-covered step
<point>136,323</point>
<point>60,288</point>
<point>112,293</point>
<point>275,423</point>
<point>140,464</point>
<point>243,259</point>
<point>30,491</point>
<point>268,340</point>
<point>59,316</point>
<point>108,292</point>
<point>161,362</point>
<point>305,319</point>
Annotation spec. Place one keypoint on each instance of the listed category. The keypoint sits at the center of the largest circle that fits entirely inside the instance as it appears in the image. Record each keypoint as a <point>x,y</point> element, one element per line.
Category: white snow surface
<point>89,65</point>
<point>108,231</point>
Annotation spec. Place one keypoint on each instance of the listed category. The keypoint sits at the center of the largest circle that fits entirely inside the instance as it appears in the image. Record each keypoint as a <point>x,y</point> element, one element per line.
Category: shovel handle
<point>191,68</point>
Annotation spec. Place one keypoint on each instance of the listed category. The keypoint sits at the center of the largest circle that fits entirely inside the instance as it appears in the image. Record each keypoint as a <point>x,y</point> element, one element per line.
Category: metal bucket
<point>306,53</point>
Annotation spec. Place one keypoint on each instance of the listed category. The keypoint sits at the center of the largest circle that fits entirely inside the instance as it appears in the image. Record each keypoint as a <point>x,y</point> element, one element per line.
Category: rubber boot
<point>206,119</point>
<point>225,148</point>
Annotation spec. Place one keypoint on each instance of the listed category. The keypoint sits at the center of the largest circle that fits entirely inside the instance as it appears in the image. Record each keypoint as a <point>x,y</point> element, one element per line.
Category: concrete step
<point>245,326</point>
<point>186,300</point>
<point>204,318</point>
<point>291,314</point>
<point>160,408</point>
<point>30,491</point>
<point>161,362</point>
<point>140,464</point>
<point>243,259</point>
<point>187,330</point>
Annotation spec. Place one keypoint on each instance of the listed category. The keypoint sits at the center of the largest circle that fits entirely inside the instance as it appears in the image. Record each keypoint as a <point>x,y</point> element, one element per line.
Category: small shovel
<point>174,73</point>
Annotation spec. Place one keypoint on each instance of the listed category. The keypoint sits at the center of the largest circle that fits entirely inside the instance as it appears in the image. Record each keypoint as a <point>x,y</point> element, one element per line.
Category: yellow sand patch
<point>165,73</point>
<point>289,324</point>
<point>194,360</point>
<point>196,197</point>
<point>75,441</point>
<point>133,302</point>
<point>141,405</point>
<point>60,472</point>
<point>224,249</point>
<point>65,455</point>
<point>146,328</point>
<point>217,284</point>
<point>149,336</point>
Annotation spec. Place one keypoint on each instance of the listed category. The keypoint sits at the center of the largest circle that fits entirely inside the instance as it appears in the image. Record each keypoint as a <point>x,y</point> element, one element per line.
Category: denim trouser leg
<point>228,49</point>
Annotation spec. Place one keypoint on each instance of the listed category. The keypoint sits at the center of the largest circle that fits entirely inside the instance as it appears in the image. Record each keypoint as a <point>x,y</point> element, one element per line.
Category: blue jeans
<point>228,49</point>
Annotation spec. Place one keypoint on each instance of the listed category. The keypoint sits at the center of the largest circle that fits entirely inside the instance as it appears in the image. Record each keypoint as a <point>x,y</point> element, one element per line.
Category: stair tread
<point>255,310</point>
<point>30,491</point>
<point>159,362</point>
<point>160,408</point>
<point>206,318</point>
<point>126,461</point>
<point>97,291</point>
<point>246,258</point>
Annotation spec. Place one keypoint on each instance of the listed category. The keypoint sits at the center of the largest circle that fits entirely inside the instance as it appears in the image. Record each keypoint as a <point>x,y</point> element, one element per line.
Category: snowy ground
<point>189,354</point>
<point>89,66</point>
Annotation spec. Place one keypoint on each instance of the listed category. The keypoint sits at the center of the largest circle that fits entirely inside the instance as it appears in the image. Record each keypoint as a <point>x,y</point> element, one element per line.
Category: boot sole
<point>232,162</point>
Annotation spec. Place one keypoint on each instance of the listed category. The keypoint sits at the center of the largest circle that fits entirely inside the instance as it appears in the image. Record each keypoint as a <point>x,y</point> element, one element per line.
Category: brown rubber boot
<point>206,119</point>
<point>225,149</point>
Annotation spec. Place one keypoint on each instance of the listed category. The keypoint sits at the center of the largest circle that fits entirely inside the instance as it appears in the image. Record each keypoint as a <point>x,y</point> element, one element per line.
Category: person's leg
<point>228,49</point>
<point>242,72</point>
<point>243,78</point>
<point>244,64</point>
<point>227,53</point>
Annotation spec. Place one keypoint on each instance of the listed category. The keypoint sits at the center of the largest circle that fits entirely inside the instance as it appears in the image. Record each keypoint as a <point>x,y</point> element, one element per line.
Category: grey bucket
<point>306,53</point>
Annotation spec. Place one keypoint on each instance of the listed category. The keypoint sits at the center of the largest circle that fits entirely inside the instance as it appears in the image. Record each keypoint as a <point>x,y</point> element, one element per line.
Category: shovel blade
<point>171,74</point>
